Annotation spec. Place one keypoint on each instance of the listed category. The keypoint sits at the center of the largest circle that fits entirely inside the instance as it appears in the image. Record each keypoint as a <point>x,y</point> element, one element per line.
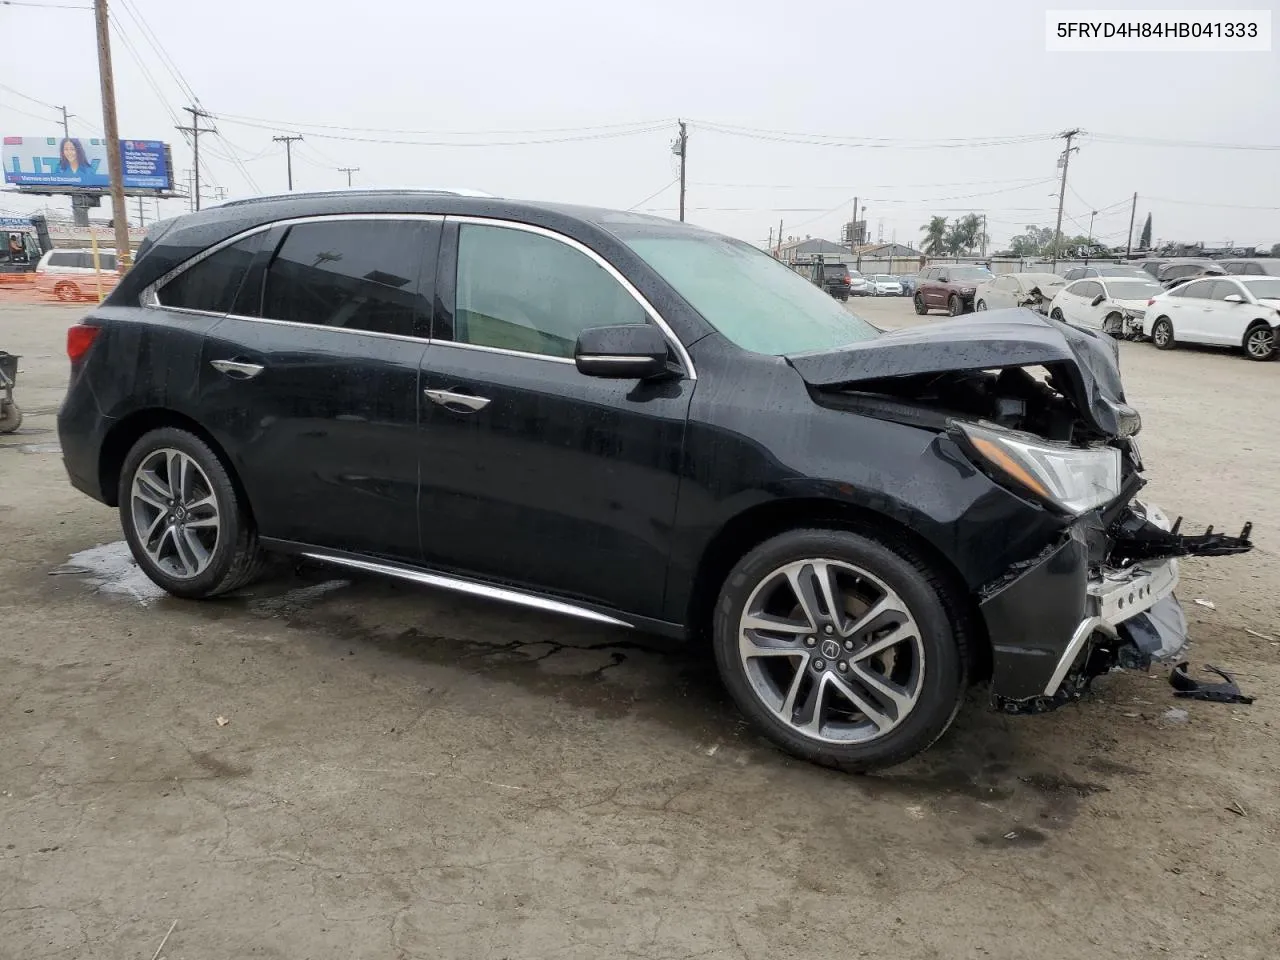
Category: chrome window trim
<point>421,341</point>
<point>681,353</point>
<point>150,295</point>
<point>502,351</point>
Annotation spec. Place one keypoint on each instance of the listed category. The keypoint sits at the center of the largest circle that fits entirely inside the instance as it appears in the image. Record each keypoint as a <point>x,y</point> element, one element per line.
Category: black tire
<point>942,651</point>
<point>1056,314</point>
<point>955,306</point>
<point>10,418</point>
<point>66,291</point>
<point>1259,341</point>
<point>921,309</point>
<point>1162,334</point>
<point>980,305</point>
<point>235,559</point>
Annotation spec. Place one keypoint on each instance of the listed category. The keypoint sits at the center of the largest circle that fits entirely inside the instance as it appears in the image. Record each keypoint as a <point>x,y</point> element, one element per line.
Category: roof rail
<point>357,192</point>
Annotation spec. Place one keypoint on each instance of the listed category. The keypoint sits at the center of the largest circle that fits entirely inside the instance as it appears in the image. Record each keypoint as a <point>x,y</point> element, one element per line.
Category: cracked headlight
<point>1073,479</point>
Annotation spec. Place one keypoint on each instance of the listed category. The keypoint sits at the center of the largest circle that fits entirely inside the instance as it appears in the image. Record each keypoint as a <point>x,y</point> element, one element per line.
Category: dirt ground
<point>409,774</point>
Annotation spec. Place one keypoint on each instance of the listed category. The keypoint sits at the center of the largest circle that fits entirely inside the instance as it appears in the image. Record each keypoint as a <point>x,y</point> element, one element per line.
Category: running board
<point>472,588</point>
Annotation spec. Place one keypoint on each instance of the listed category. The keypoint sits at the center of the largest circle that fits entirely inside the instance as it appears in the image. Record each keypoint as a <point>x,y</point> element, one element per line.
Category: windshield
<point>1133,289</point>
<point>884,278</point>
<point>755,301</point>
<point>1042,280</point>
<point>968,273</point>
<point>1122,271</point>
<point>1264,288</point>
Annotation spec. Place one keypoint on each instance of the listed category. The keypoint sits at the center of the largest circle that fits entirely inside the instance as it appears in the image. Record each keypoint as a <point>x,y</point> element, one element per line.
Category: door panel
<point>533,473</point>
<point>316,399</point>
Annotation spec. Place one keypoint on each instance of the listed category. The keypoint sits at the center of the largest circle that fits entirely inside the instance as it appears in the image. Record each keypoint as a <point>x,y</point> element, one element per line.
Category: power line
<point>656,194</point>
<point>440,133</point>
<point>43,6</point>
<point>25,113</point>
<point>1159,142</point>
<point>26,97</point>
<point>871,186</point>
<point>828,140</point>
<point>165,60</point>
<point>447,143</point>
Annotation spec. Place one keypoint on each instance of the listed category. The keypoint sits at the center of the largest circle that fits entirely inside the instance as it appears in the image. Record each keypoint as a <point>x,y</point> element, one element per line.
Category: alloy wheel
<point>1260,343</point>
<point>832,651</point>
<point>1160,334</point>
<point>175,513</point>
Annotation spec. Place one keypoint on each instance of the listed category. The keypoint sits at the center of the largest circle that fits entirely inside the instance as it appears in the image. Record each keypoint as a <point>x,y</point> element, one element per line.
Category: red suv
<point>949,288</point>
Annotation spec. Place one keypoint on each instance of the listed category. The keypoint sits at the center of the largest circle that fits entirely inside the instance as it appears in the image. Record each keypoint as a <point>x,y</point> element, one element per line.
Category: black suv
<point>637,422</point>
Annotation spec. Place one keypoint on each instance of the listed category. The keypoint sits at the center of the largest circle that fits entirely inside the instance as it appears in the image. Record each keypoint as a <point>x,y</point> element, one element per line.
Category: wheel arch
<point>748,529</point>
<point>124,434</point>
<point>1253,325</point>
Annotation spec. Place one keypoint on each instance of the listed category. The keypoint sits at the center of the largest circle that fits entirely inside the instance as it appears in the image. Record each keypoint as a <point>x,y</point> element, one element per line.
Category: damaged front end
<point>1038,407</point>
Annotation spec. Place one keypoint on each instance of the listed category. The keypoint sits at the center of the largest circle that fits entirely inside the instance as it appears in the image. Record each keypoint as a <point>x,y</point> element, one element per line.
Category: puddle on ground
<point>110,568</point>
<point>39,448</point>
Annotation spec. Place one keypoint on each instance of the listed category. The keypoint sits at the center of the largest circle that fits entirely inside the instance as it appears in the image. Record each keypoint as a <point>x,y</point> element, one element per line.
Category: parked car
<point>835,278</point>
<point>908,283</point>
<point>1240,312</point>
<point>1254,267</point>
<point>639,423</point>
<point>1114,305</point>
<point>1105,270</point>
<point>1177,272</point>
<point>70,274</point>
<point>859,286</point>
<point>884,285</point>
<point>1152,265</point>
<point>1033,290</point>
<point>949,288</point>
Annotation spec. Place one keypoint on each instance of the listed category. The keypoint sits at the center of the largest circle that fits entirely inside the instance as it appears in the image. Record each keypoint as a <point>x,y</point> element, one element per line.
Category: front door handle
<point>237,369</point>
<point>449,399</point>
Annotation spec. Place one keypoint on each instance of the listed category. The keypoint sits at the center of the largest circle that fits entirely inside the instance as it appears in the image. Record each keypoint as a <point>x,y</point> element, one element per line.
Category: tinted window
<point>67,259</point>
<point>212,283</point>
<point>527,292</point>
<point>1181,270</point>
<point>834,270</point>
<point>1133,289</point>
<point>354,274</point>
<point>1196,290</point>
<point>977,274</point>
<point>1221,289</point>
<point>1075,273</point>
<point>1087,289</point>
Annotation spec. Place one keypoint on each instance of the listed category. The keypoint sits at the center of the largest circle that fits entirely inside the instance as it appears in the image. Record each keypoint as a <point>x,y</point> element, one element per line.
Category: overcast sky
<point>925,71</point>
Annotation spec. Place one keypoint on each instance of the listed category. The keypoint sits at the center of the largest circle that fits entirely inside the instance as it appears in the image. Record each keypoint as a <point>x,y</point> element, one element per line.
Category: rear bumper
<point>81,431</point>
<point>1046,621</point>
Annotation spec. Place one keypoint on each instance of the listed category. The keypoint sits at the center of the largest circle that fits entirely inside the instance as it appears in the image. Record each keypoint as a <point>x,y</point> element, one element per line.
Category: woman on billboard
<point>72,158</point>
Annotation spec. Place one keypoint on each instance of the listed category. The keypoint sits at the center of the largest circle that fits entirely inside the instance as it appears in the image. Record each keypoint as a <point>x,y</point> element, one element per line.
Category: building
<point>885,251</point>
<point>812,247</point>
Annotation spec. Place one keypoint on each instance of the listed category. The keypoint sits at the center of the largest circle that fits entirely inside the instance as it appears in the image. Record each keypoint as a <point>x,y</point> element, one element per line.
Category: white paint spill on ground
<point>294,600</point>
<point>110,568</point>
<point>40,448</point>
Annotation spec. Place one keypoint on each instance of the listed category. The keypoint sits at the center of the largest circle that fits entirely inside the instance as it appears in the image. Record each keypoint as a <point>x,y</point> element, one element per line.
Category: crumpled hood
<point>1084,364</point>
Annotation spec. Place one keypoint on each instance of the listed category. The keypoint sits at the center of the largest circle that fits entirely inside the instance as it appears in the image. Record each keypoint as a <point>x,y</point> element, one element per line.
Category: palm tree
<point>935,236</point>
<point>962,236</point>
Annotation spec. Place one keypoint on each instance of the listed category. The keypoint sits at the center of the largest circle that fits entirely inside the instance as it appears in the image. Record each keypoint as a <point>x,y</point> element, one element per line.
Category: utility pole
<point>66,129</point>
<point>119,215</point>
<point>1089,248</point>
<point>779,240</point>
<point>142,222</point>
<point>984,236</point>
<point>681,149</point>
<point>1062,191</point>
<point>853,228</point>
<point>1133,212</point>
<point>288,154</point>
<point>771,239</point>
<point>195,130</point>
<point>348,171</point>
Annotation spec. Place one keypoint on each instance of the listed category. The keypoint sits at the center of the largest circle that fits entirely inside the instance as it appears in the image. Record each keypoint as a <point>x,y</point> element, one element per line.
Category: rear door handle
<point>450,399</point>
<point>237,369</point>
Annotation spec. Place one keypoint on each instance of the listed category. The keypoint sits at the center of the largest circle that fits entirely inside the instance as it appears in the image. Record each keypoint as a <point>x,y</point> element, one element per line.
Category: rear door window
<point>354,274</point>
<point>65,259</point>
<point>1196,290</point>
<point>211,284</point>
<point>1087,289</point>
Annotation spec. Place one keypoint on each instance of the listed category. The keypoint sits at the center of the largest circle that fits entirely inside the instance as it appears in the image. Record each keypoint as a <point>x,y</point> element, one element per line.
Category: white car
<point>859,286</point>
<point>1033,290</point>
<point>1114,305</point>
<point>1242,312</point>
<point>69,274</point>
<point>884,285</point>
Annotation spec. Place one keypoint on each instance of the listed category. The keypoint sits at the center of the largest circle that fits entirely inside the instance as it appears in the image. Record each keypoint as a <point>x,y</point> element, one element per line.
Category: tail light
<point>1151,302</point>
<point>79,339</point>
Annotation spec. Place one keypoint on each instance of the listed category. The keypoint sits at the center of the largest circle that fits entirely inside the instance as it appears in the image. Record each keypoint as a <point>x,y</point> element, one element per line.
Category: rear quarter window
<point>210,285</point>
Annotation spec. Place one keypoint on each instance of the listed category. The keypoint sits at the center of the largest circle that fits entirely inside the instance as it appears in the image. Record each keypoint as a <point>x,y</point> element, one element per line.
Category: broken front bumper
<point>1048,619</point>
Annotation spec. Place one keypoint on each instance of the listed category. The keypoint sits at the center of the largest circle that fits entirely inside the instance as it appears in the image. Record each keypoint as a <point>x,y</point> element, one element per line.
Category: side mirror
<point>1097,300</point>
<point>632,351</point>
<point>1233,298</point>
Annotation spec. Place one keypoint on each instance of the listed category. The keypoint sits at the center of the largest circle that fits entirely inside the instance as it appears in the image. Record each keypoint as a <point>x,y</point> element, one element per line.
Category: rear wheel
<point>839,648</point>
<point>980,305</point>
<point>1260,342</point>
<point>921,309</point>
<point>66,290</point>
<point>10,417</point>
<point>1162,334</point>
<point>955,306</point>
<point>186,524</point>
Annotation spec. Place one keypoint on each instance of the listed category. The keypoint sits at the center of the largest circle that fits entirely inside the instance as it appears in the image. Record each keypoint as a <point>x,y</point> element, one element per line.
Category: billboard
<point>81,162</point>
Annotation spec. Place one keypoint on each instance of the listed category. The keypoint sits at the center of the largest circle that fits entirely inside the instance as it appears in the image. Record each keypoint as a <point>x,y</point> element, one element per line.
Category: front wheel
<point>921,309</point>
<point>980,305</point>
<point>187,526</point>
<point>1162,334</point>
<point>1260,342</point>
<point>66,291</point>
<point>1056,314</point>
<point>954,306</point>
<point>839,648</point>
